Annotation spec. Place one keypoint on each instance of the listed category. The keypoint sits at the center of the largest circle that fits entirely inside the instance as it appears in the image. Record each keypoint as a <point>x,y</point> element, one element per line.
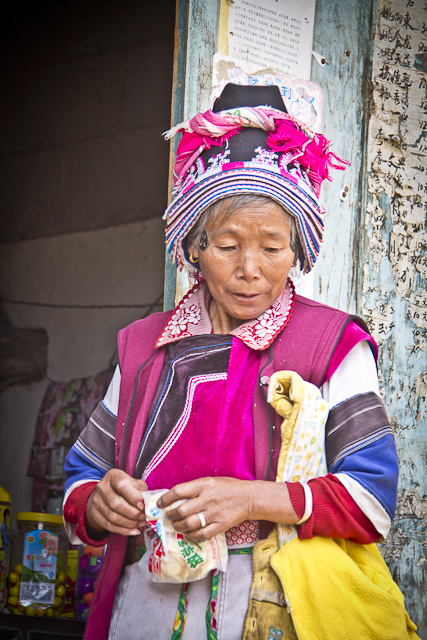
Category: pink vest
<point>305,345</point>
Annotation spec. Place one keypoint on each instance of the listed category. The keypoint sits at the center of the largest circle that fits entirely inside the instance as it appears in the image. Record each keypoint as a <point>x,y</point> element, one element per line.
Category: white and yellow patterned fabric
<point>302,453</point>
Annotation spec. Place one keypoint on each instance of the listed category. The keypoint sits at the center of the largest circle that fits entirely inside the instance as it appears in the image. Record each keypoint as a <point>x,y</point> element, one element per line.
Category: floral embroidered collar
<point>191,318</point>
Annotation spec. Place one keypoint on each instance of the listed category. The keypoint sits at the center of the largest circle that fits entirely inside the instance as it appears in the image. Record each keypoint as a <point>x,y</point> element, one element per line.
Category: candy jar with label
<point>38,566</point>
<point>5,525</point>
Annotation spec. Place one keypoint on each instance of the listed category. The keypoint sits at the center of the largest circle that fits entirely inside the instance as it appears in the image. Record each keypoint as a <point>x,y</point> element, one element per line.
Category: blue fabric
<point>78,467</point>
<point>376,468</point>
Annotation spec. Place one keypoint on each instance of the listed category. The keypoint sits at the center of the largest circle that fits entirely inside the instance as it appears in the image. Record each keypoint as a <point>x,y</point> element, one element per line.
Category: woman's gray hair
<point>222,209</point>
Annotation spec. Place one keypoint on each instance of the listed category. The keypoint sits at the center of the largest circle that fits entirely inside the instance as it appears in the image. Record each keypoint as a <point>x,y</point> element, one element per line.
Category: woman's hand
<point>116,506</point>
<point>225,502</point>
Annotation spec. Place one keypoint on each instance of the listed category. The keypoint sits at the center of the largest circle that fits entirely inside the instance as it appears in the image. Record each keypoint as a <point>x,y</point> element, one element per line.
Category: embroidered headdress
<point>243,146</point>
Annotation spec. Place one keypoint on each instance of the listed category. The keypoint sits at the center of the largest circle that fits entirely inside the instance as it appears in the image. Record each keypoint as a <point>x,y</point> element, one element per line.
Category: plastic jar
<point>5,526</point>
<point>38,567</point>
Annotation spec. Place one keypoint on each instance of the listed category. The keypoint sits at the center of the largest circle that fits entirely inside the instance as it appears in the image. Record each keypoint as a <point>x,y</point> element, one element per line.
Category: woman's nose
<point>249,268</point>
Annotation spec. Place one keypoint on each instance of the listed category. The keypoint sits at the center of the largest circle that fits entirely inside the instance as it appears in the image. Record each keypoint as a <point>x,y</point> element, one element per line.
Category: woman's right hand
<point>116,506</point>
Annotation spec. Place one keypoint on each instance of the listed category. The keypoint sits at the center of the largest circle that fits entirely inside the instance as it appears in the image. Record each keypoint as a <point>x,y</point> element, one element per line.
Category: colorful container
<point>38,565</point>
<point>89,568</point>
<point>5,532</point>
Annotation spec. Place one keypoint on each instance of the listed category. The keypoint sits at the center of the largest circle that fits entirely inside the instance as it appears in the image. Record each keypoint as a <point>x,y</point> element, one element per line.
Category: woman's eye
<point>272,250</point>
<point>228,249</point>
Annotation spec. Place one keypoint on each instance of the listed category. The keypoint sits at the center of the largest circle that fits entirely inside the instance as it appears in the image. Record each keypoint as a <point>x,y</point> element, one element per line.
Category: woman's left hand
<point>223,502</point>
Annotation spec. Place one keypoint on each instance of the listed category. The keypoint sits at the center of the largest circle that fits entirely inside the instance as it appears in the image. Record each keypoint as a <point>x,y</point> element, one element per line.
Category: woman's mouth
<point>247,297</point>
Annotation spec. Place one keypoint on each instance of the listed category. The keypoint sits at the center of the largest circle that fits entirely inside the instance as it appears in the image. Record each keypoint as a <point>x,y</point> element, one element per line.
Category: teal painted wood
<point>203,20</point>
<point>346,277</point>
<point>342,28</point>
<point>178,91</point>
<point>404,391</point>
<point>198,28</point>
<point>395,300</point>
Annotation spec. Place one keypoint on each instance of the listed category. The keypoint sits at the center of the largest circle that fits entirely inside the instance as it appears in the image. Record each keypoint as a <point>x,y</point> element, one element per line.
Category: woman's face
<point>246,262</point>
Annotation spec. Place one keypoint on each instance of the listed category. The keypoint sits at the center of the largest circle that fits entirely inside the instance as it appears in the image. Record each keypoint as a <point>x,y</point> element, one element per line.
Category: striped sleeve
<point>353,425</point>
<point>357,498</point>
<point>90,458</point>
<point>359,442</point>
<point>334,515</point>
<point>93,453</point>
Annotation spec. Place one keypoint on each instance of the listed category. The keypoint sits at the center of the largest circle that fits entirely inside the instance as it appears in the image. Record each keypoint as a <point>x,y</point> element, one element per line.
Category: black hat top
<point>238,95</point>
<point>242,146</point>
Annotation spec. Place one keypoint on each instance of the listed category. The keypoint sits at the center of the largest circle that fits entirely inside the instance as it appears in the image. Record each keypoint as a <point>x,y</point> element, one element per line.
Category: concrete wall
<point>85,93</point>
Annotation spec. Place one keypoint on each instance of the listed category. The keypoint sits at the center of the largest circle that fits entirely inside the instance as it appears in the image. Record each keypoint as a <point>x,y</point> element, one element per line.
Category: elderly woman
<point>187,409</point>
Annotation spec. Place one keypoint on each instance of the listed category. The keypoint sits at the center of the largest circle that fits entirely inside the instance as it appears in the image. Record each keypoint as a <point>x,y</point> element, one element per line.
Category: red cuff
<point>297,496</point>
<point>335,513</point>
<point>75,512</point>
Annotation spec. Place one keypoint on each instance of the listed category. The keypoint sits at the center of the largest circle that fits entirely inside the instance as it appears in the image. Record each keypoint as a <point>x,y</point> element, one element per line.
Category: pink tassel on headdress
<point>311,152</point>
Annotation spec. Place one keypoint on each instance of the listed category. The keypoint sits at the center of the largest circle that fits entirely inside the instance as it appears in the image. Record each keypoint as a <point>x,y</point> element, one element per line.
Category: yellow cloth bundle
<point>339,590</point>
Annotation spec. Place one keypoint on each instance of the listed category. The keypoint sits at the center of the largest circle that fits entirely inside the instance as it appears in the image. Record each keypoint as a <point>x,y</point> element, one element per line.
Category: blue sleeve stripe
<point>376,468</point>
<point>365,486</point>
<point>361,444</point>
<point>78,468</point>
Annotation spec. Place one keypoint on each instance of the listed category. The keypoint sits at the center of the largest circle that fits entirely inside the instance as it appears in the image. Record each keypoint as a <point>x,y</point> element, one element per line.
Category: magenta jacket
<point>305,345</point>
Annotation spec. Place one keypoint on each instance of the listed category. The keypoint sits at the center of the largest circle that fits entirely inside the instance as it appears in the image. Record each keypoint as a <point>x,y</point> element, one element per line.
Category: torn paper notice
<point>272,33</point>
